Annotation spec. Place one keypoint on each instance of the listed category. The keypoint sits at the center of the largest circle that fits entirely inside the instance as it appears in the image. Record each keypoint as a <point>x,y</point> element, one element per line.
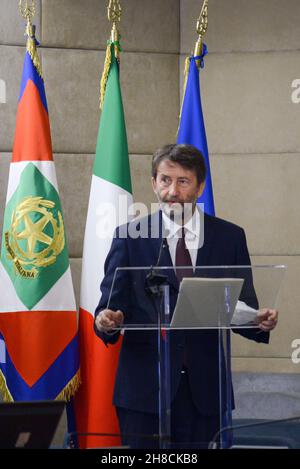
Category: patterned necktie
<point>183,258</point>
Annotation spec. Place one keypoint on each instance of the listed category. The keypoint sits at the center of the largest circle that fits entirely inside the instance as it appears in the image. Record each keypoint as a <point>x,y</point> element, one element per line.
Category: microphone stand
<point>155,285</point>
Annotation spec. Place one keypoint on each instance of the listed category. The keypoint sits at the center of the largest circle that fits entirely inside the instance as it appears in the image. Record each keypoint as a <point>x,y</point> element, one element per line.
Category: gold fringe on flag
<point>70,389</point>
<point>65,395</point>
<point>105,73</point>
<point>6,396</point>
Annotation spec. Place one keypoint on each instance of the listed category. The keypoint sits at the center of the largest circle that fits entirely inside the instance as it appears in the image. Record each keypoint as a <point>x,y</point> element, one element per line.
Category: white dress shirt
<point>192,235</point>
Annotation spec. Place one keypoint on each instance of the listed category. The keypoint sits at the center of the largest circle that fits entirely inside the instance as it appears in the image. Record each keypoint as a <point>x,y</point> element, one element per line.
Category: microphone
<point>154,279</point>
<point>163,245</point>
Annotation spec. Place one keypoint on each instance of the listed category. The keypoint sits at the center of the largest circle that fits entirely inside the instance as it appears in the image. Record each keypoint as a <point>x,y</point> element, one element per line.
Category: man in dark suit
<point>178,178</point>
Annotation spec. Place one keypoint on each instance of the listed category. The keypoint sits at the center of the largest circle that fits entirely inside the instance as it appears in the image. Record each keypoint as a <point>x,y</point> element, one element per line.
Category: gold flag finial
<point>114,12</point>
<point>28,11</point>
<point>202,25</point>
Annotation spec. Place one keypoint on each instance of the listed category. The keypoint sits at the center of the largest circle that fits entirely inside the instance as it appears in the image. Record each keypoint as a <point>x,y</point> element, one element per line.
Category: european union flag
<point>192,129</point>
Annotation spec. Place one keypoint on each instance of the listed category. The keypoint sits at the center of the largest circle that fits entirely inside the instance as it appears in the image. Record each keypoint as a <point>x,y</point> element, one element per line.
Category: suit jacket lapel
<point>204,253</point>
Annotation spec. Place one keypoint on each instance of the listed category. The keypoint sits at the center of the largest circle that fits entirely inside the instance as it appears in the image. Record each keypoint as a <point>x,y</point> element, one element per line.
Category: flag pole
<point>114,13</point>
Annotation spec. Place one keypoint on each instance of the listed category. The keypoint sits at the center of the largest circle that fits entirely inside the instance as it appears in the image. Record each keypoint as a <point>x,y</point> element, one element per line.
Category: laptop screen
<point>29,424</point>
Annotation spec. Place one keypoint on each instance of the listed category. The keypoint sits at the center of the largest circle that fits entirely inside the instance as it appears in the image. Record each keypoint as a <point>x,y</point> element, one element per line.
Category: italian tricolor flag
<point>39,357</point>
<point>110,196</point>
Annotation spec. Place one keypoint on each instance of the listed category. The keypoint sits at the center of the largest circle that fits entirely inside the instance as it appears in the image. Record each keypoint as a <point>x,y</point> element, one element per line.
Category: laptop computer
<point>206,302</point>
<point>29,424</point>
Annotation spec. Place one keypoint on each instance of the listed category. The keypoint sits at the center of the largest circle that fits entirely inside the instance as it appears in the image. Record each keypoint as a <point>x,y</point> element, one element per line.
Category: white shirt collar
<point>191,228</point>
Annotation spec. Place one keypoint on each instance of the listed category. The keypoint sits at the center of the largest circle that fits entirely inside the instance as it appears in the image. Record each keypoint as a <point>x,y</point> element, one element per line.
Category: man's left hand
<point>267,319</point>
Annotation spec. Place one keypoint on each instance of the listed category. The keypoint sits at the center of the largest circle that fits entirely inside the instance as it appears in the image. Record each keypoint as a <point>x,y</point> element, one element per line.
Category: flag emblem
<point>34,225</point>
<point>34,237</point>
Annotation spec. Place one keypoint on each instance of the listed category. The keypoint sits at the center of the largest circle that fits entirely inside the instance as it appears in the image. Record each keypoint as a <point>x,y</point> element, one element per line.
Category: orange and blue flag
<point>39,357</point>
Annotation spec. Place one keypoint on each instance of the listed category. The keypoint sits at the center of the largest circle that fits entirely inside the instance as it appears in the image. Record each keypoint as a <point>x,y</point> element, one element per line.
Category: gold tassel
<point>105,73</point>
<point>70,389</point>
<point>185,74</point>
<point>32,50</point>
<point>7,397</point>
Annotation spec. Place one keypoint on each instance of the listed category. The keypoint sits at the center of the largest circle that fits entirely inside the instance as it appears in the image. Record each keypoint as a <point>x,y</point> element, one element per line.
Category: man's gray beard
<point>178,213</point>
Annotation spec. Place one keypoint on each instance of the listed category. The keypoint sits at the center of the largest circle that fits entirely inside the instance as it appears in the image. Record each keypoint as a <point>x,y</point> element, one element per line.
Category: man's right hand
<point>107,320</point>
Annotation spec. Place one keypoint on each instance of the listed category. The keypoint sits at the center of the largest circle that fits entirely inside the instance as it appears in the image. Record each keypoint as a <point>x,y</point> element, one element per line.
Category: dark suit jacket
<point>136,385</point>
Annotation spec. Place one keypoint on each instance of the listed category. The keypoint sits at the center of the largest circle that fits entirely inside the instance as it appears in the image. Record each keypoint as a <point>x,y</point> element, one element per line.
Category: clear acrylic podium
<point>186,328</point>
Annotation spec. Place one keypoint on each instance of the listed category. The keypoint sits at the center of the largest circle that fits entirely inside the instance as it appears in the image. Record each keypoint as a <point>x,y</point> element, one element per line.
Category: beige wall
<point>252,124</point>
